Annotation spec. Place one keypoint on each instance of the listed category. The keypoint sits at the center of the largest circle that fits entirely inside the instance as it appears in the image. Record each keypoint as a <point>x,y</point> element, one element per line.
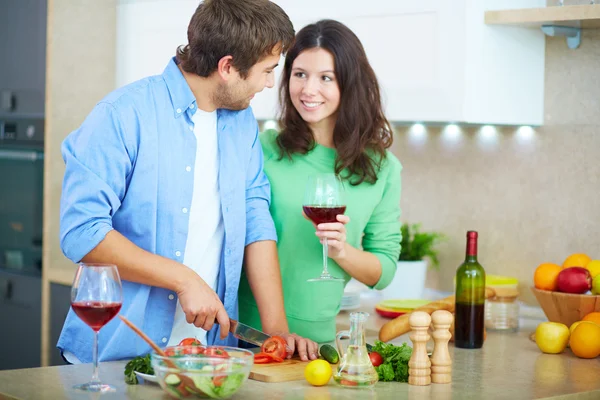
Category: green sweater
<point>374,211</point>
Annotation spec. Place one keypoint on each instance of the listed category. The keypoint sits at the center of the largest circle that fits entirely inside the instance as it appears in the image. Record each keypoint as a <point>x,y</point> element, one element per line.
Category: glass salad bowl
<point>215,372</point>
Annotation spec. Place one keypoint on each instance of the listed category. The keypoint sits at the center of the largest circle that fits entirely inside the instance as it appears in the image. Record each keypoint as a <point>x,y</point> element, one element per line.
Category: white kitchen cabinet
<point>436,60</point>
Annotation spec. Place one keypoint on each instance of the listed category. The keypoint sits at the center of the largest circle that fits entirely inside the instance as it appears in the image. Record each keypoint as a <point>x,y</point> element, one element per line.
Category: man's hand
<point>202,306</point>
<point>306,348</point>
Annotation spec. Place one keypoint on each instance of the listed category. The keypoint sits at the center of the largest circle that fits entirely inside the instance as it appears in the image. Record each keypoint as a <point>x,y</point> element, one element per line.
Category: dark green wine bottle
<point>470,299</point>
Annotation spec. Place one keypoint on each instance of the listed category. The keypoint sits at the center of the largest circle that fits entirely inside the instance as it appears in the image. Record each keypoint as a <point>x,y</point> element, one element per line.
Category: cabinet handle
<point>20,155</point>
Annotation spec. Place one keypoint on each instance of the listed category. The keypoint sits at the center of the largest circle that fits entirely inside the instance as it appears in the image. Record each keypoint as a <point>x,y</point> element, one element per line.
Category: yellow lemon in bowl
<point>318,372</point>
<point>552,337</point>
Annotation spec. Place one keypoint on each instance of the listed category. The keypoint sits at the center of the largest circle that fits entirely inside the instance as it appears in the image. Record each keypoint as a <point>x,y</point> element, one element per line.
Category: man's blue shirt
<point>130,167</point>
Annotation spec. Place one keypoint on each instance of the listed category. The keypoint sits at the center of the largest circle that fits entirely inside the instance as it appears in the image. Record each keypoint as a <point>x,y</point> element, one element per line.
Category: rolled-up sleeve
<point>259,223</point>
<point>382,233</point>
<point>97,164</point>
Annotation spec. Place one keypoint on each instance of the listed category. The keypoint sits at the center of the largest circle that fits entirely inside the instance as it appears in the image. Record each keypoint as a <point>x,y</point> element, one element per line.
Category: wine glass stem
<point>95,378</point>
<point>325,257</point>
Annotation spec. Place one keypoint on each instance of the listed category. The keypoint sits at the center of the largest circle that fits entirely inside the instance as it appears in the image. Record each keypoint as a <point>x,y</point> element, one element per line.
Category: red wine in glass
<point>322,215</point>
<point>96,314</point>
<point>323,202</point>
<point>96,297</point>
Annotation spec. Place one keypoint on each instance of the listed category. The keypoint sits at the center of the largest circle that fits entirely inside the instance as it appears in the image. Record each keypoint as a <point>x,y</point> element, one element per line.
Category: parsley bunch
<point>395,361</point>
<point>139,364</point>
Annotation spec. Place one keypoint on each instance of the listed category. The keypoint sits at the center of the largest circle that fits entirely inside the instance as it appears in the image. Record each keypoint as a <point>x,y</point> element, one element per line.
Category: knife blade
<point>247,333</point>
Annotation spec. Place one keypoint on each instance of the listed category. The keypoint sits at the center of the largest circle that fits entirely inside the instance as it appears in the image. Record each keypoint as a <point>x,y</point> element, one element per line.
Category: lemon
<point>318,372</point>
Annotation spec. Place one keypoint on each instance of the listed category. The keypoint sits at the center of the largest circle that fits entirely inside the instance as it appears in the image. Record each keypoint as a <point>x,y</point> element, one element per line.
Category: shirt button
<point>179,111</point>
<point>171,297</point>
<point>184,210</point>
<point>191,128</point>
<point>164,340</point>
<point>178,253</point>
<point>188,168</point>
<point>191,106</point>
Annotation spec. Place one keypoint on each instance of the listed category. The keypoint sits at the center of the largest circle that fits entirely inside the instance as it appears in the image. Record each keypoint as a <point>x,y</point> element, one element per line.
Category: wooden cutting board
<point>289,370</point>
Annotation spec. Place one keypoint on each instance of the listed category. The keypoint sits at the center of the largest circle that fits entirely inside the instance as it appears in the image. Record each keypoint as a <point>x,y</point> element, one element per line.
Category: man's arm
<point>199,302</point>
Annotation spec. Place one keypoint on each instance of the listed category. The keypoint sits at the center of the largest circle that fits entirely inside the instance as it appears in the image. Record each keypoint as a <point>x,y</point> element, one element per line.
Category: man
<point>164,179</point>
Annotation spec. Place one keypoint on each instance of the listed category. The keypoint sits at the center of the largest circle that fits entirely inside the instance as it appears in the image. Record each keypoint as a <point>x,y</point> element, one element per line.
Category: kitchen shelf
<point>582,16</point>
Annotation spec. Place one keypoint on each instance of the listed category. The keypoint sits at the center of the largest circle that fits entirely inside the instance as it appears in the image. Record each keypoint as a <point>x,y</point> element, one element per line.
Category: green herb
<point>395,361</point>
<point>139,364</point>
<point>416,245</point>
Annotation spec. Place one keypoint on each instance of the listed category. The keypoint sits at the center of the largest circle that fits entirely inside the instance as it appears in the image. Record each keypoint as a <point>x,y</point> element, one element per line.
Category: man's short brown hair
<point>247,30</point>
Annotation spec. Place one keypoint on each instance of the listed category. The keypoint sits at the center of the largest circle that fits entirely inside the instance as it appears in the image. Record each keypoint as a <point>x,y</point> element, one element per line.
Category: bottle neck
<point>357,333</point>
<point>471,253</point>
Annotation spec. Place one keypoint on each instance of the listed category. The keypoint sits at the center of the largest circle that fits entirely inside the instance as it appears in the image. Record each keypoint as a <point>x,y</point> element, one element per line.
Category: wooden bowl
<point>566,308</point>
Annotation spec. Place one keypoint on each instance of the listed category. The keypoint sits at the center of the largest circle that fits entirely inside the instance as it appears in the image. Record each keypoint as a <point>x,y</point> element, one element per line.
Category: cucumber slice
<point>172,380</point>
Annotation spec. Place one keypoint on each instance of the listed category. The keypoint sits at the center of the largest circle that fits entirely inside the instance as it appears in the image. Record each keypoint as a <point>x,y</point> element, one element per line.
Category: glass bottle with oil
<point>355,368</point>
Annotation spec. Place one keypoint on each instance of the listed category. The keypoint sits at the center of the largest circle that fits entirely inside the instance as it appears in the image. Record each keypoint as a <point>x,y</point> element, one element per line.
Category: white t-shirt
<point>205,231</point>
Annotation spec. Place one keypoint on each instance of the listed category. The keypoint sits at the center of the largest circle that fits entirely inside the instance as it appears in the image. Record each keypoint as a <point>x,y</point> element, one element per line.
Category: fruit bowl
<point>566,308</point>
<point>215,372</point>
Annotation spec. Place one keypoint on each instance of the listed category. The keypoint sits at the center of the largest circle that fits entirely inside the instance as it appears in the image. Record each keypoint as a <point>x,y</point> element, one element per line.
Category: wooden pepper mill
<point>441,363</point>
<point>419,365</point>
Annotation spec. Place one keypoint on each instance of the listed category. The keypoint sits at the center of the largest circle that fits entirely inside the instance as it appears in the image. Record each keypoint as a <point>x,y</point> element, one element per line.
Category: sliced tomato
<point>275,345</point>
<point>216,352</point>
<point>169,352</point>
<point>189,342</point>
<point>267,357</point>
<point>194,350</point>
<point>219,380</point>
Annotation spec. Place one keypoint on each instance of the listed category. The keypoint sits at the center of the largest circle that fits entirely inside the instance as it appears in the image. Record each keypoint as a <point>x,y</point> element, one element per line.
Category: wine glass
<point>322,203</point>
<point>96,297</point>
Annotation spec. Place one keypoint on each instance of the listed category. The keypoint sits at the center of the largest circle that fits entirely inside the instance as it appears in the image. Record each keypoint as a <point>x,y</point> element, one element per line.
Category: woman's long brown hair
<point>362,133</point>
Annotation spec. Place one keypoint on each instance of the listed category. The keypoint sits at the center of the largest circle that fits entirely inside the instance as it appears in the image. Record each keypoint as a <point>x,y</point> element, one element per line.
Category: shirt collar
<point>181,94</point>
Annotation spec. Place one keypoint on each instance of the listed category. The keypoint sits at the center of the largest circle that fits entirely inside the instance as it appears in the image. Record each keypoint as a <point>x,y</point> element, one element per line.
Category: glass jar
<point>502,314</point>
<point>502,310</point>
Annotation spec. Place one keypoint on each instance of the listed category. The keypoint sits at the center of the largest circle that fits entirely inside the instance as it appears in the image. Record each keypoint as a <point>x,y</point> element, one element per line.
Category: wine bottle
<point>470,299</point>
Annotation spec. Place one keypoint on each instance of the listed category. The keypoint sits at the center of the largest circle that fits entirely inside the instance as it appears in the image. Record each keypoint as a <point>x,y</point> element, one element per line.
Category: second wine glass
<point>323,202</point>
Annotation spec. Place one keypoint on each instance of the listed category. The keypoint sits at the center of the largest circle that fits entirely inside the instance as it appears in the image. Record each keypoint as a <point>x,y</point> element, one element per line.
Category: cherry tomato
<point>190,341</point>
<point>376,359</point>
<point>275,345</point>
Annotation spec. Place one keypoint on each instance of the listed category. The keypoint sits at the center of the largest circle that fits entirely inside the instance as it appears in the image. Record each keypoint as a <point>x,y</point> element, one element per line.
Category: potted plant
<point>417,248</point>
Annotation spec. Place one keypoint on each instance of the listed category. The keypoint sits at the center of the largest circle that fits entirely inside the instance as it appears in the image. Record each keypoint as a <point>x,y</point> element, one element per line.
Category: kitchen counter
<point>509,366</point>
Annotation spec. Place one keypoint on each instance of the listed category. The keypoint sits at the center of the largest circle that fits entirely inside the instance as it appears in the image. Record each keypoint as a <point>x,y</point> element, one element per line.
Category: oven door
<point>21,198</point>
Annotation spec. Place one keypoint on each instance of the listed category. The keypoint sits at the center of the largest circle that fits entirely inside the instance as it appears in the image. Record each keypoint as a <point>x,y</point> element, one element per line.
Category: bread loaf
<point>399,325</point>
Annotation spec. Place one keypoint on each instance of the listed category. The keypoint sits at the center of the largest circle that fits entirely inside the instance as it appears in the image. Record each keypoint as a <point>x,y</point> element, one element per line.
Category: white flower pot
<point>409,281</point>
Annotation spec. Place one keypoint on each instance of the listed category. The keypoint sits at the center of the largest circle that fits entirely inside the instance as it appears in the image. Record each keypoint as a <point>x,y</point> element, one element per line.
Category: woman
<point>332,121</point>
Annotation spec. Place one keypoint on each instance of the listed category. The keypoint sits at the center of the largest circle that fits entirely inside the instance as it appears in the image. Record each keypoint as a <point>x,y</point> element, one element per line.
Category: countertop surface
<point>509,366</point>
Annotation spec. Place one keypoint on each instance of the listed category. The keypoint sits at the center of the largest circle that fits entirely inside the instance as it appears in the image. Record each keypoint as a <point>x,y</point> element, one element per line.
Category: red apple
<point>574,280</point>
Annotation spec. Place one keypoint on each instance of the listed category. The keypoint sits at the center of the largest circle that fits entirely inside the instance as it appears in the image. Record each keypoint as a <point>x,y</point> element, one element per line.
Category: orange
<point>585,340</point>
<point>545,276</point>
<point>576,260</point>
<point>592,317</point>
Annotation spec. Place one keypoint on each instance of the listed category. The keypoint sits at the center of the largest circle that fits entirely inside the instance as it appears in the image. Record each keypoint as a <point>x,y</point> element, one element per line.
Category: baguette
<point>400,325</point>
